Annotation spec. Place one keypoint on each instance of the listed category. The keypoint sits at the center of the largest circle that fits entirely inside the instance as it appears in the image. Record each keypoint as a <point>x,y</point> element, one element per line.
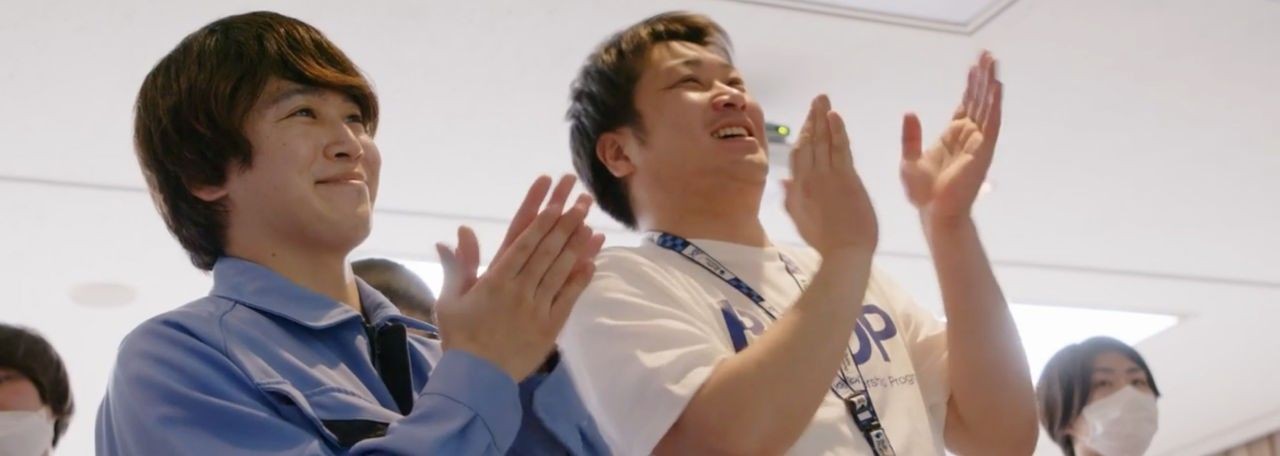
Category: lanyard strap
<point>856,400</point>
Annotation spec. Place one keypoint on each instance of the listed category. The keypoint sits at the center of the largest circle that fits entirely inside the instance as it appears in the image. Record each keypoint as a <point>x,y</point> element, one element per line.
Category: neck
<point>314,269</point>
<point>735,221</point>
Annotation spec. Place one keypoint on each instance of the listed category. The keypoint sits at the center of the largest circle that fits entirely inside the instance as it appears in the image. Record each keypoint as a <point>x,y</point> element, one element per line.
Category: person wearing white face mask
<point>35,394</point>
<point>1098,397</point>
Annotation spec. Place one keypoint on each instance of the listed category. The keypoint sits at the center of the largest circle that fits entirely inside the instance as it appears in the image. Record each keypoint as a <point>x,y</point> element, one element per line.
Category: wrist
<point>846,257</point>
<point>935,225</point>
<point>550,363</point>
<point>479,351</point>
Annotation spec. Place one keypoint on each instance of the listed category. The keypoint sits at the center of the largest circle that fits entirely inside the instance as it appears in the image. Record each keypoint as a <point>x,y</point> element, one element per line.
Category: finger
<point>509,263</point>
<point>951,138</point>
<point>468,255</point>
<point>568,297</point>
<point>822,135</point>
<point>841,149</point>
<point>967,132</point>
<point>980,85</point>
<point>591,250</point>
<point>594,246</point>
<point>561,193</point>
<point>973,143</point>
<point>563,189</point>
<point>912,139</point>
<point>966,103</point>
<point>991,128</point>
<point>553,243</point>
<point>984,103</point>
<point>526,213</point>
<point>564,264</point>
<point>802,153</point>
<point>452,276</point>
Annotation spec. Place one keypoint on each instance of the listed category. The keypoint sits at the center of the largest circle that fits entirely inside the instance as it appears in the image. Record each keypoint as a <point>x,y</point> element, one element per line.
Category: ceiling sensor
<point>777,136</point>
<point>776,133</point>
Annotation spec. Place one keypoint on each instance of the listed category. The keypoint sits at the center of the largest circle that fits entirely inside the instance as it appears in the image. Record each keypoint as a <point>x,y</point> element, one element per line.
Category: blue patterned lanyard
<point>857,401</point>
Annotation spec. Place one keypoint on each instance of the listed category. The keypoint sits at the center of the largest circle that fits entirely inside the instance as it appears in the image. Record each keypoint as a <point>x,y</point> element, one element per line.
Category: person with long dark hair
<point>1098,397</point>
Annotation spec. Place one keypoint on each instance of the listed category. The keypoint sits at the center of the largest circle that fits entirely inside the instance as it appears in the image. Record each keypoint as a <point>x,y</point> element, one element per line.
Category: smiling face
<point>701,128</point>
<point>314,176</point>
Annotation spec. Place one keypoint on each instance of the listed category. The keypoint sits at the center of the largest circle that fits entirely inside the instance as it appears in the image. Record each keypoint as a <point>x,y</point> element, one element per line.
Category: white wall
<point>1136,169</point>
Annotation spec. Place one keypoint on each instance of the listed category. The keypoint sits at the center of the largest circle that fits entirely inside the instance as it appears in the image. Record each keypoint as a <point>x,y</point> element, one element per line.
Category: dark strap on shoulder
<point>351,432</point>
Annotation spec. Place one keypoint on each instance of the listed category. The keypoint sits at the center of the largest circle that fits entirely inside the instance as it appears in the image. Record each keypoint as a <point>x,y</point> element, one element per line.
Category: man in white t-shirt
<point>708,338</point>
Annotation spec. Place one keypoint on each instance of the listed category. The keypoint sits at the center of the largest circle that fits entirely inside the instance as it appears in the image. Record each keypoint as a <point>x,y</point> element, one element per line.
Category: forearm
<point>991,392</point>
<point>760,400</point>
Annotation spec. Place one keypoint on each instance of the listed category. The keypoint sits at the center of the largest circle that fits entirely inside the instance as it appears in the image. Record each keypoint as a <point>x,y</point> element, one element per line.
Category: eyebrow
<point>293,91</point>
<point>698,62</point>
<point>1108,370</point>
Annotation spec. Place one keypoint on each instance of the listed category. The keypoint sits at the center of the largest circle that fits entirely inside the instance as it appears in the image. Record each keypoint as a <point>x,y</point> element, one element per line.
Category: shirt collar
<point>256,286</point>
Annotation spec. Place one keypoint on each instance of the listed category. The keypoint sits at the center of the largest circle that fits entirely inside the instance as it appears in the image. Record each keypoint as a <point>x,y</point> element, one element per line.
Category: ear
<point>611,149</point>
<point>210,194</point>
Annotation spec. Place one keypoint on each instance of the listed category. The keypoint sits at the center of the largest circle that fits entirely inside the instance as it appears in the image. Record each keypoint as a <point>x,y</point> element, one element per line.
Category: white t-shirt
<point>649,330</point>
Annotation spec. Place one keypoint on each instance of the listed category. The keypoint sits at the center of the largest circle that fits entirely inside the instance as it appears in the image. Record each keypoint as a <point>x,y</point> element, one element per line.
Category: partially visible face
<point>17,393</point>
<point>315,169</point>
<point>700,122</point>
<point>1113,371</point>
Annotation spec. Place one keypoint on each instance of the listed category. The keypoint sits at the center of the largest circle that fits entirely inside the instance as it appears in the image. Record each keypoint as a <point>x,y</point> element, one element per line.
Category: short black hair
<point>602,97</point>
<point>1067,382</point>
<point>23,350</point>
<point>401,286</point>
<point>189,116</point>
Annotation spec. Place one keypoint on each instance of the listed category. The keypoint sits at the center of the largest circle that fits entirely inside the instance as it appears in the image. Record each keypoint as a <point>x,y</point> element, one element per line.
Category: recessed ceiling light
<point>1047,329</point>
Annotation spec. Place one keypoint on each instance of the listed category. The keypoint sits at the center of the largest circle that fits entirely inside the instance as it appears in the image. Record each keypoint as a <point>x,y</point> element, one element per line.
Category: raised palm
<point>943,181</point>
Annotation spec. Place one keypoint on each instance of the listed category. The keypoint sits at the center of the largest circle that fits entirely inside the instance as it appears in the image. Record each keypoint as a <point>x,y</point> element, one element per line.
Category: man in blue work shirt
<point>256,138</point>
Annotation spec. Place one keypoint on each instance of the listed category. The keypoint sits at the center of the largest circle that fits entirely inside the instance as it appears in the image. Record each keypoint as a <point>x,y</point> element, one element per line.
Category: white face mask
<point>27,433</point>
<point>1121,424</point>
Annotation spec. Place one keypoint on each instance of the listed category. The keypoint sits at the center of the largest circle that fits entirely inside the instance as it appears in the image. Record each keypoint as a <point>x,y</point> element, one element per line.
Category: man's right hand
<point>512,314</point>
<point>825,196</point>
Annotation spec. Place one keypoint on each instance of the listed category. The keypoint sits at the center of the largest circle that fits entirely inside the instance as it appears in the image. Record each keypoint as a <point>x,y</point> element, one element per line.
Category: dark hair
<point>1067,382</point>
<point>602,97</point>
<point>26,352</point>
<point>401,286</point>
<point>190,112</point>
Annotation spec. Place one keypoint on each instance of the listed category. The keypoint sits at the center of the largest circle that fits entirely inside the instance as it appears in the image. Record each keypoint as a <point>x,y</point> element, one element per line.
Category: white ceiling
<point>953,16</point>
<point>1136,171</point>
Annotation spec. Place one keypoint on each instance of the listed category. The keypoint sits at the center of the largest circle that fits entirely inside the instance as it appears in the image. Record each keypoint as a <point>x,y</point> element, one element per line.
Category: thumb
<point>912,147</point>
<point>468,253</point>
<point>453,274</point>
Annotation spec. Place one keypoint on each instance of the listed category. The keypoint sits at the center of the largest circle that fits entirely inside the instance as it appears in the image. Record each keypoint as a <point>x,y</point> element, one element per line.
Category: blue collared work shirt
<point>263,366</point>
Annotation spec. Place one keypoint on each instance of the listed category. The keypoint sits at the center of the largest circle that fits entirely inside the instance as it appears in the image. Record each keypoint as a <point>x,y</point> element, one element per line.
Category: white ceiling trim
<point>965,27</point>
